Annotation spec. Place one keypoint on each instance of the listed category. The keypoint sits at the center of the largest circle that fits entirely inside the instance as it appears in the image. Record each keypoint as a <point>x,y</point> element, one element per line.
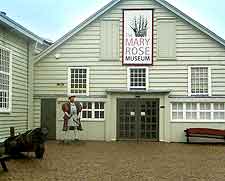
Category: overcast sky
<point>51,19</point>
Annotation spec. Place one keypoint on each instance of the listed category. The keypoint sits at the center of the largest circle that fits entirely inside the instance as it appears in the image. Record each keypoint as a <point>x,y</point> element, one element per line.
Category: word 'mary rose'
<point>138,46</point>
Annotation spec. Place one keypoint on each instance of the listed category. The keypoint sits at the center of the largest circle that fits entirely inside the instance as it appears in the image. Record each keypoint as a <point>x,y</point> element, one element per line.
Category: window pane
<point>89,114</point>
<point>205,106</point>
<point>218,106</point>
<point>102,105</point>
<point>102,114</point>
<point>96,105</point>
<point>97,114</point>
<point>219,115</point>
<point>205,115</point>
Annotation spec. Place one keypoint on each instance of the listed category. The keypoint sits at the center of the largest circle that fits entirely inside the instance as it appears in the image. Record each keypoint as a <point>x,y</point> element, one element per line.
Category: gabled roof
<point>113,3</point>
<point>8,22</point>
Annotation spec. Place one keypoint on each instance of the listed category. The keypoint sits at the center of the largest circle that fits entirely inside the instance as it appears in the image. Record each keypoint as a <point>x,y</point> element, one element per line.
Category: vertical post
<point>12,131</point>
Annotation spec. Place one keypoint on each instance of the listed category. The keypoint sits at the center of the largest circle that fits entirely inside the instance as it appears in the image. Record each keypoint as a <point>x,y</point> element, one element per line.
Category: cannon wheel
<point>39,151</point>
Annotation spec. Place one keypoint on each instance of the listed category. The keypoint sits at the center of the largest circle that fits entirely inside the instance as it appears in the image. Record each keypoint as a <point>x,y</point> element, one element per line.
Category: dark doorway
<point>48,117</point>
<point>138,119</point>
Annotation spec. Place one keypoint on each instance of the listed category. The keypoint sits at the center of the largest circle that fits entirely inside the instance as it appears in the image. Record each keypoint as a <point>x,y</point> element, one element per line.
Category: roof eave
<point>12,24</point>
<point>191,21</point>
<point>76,29</point>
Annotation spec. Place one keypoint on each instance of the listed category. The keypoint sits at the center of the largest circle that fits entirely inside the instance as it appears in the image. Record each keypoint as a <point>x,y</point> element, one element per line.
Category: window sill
<point>5,112</point>
<point>92,120</point>
<point>198,121</point>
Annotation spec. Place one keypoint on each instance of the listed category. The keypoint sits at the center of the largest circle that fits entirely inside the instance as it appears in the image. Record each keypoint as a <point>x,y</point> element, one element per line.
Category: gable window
<point>199,81</point>
<point>137,78</point>
<point>78,81</point>
<point>5,80</point>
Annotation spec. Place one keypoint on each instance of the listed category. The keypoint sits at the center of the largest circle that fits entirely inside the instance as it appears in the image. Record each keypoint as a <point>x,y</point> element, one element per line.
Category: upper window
<point>5,80</point>
<point>199,81</point>
<point>78,81</point>
<point>137,78</point>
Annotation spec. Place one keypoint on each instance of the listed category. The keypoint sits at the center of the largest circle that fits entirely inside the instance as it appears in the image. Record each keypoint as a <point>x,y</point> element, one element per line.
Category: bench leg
<point>187,138</point>
<point>4,166</point>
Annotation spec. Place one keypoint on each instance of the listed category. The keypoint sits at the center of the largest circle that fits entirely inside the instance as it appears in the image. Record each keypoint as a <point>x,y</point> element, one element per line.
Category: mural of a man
<point>72,110</point>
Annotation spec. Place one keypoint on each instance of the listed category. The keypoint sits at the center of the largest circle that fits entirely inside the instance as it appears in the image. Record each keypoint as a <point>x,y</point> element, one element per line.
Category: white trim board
<point>85,23</point>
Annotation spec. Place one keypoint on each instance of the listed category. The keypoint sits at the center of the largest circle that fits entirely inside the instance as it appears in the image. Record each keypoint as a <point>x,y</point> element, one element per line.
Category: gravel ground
<point>98,161</point>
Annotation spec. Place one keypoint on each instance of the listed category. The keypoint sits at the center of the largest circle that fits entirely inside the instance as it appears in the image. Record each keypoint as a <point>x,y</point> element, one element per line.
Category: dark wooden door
<point>48,117</point>
<point>138,119</point>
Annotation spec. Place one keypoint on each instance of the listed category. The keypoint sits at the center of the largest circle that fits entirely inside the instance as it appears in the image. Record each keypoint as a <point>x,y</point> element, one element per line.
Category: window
<point>5,80</point>
<point>87,110</point>
<point>78,81</point>
<point>199,81</point>
<point>205,111</point>
<point>99,110</point>
<point>93,111</point>
<point>177,111</point>
<point>137,78</point>
<point>198,111</point>
<point>219,111</point>
<point>191,111</point>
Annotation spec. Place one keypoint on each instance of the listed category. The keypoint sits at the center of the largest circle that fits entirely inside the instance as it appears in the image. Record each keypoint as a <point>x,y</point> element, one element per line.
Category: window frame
<point>146,81</point>
<point>212,110</point>
<point>69,81</point>
<point>93,111</point>
<point>9,110</point>
<point>209,82</point>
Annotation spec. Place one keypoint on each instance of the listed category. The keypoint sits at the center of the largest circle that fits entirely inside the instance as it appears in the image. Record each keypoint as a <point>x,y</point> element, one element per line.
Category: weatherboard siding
<point>18,116</point>
<point>192,48</point>
<point>83,49</point>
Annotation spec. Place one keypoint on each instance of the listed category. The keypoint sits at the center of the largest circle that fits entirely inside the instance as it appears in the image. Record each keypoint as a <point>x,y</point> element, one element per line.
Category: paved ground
<point>98,161</point>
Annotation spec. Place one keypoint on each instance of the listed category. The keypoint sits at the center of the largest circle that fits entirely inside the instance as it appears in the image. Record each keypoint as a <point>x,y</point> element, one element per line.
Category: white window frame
<point>198,120</point>
<point>69,81</point>
<point>209,81</point>
<point>93,112</point>
<point>9,110</point>
<point>147,78</point>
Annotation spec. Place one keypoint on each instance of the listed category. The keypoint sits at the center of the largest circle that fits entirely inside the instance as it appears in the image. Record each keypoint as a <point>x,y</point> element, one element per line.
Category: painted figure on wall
<point>72,110</point>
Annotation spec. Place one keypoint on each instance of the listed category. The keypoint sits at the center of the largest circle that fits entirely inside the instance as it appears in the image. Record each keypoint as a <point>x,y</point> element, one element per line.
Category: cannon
<point>30,141</point>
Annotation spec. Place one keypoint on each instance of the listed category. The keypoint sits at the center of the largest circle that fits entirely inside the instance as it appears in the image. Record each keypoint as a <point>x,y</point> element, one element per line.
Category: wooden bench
<point>3,159</point>
<point>204,133</point>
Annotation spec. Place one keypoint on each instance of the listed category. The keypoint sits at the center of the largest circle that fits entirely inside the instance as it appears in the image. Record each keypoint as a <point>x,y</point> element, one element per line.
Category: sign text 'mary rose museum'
<point>138,37</point>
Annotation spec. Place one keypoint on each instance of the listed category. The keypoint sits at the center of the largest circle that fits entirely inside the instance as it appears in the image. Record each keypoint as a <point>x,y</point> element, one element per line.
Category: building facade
<point>17,47</point>
<point>142,70</point>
